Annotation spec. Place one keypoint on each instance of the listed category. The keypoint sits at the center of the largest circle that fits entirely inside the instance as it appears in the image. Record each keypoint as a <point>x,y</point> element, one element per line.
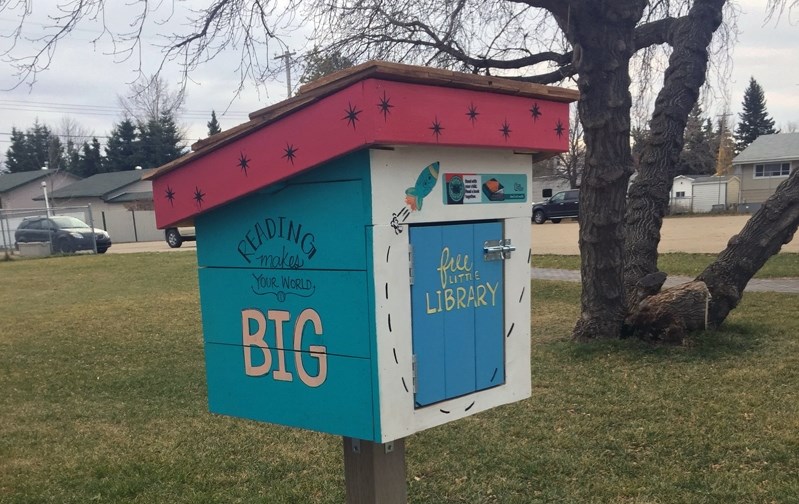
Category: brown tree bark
<point>649,194</point>
<point>763,236</point>
<point>603,37</point>
<point>670,314</point>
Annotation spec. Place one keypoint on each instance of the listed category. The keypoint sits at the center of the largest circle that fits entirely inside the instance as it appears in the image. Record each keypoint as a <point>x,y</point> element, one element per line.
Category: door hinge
<point>414,376</point>
<point>410,263</point>
<point>497,250</point>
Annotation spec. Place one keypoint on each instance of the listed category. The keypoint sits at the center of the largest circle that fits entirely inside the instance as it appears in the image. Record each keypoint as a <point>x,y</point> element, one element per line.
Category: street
<point>707,234</point>
<point>679,234</point>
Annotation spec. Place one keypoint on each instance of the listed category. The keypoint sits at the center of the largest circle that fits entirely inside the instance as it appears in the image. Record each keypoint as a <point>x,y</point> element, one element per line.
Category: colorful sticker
<point>469,188</point>
<point>414,196</point>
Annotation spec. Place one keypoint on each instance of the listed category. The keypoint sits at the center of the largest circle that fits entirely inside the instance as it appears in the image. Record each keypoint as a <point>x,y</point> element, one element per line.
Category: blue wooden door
<point>457,305</point>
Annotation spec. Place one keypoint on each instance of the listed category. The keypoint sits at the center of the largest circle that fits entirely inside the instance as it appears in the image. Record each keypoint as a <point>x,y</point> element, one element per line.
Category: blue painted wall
<point>285,299</point>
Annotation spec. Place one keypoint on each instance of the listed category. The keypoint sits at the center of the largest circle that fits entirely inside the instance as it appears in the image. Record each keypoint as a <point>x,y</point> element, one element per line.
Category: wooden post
<point>374,473</point>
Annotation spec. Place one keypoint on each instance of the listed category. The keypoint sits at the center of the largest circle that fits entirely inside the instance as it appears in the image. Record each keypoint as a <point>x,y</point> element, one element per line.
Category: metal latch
<point>497,250</point>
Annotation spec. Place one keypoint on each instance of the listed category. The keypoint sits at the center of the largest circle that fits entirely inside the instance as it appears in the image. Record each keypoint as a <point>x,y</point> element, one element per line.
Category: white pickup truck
<point>177,235</point>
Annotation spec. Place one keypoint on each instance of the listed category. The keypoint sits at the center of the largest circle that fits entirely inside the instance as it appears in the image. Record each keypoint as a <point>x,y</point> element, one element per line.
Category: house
<point>682,192</point>
<point>764,164</point>
<point>545,186</point>
<point>702,194</point>
<point>20,190</point>
<point>121,203</point>
<point>715,193</point>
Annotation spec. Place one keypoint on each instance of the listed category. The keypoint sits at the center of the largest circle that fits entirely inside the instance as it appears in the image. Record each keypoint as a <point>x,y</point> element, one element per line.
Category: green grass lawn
<point>103,400</point>
<point>681,263</point>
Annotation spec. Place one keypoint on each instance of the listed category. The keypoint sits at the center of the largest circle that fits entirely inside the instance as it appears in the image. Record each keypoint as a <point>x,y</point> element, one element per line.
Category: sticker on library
<point>470,188</point>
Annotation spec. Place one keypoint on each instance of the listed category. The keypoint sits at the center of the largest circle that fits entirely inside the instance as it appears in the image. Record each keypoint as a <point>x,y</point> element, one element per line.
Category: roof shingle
<point>98,185</point>
<point>9,181</point>
<point>778,147</point>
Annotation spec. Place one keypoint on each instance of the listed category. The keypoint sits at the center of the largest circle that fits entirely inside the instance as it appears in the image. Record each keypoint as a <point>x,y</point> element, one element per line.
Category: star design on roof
<point>198,196</point>
<point>244,162</point>
<point>436,128</point>
<point>505,130</point>
<point>559,129</point>
<point>535,111</point>
<point>290,152</point>
<point>351,115</point>
<point>170,195</point>
<point>472,113</point>
<point>385,106</point>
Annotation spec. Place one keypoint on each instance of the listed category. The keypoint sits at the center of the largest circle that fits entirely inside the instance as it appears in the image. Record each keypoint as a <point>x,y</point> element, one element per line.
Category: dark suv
<point>561,205</point>
<point>67,234</point>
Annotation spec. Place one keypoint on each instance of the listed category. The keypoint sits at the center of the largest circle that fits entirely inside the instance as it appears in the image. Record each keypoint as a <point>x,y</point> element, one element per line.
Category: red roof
<point>373,104</point>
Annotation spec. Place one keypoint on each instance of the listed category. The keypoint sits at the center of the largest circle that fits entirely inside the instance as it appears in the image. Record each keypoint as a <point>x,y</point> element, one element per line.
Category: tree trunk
<point>602,37</point>
<point>670,314</point>
<point>763,236</point>
<point>649,193</point>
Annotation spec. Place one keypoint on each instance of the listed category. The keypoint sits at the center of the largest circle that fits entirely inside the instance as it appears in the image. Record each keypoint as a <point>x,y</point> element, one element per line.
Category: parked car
<point>66,234</point>
<point>177,235</point>
<point>562,205</point>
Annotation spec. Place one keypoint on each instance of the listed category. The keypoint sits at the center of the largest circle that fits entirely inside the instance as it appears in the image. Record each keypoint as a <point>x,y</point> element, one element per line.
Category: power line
<point>98,110</point>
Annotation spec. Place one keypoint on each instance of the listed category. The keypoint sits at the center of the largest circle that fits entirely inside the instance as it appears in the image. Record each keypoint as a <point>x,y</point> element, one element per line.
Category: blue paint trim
<point>372,321</point>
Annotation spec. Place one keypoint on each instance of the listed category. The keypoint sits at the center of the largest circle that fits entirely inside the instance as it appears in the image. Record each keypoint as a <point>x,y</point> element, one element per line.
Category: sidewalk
<point>784,285</point>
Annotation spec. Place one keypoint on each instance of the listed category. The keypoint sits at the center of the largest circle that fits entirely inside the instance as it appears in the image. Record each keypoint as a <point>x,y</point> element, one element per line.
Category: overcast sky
<point>83,82</point>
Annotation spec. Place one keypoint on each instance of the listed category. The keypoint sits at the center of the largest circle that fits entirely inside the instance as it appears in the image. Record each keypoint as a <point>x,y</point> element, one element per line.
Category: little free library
<point>363,250</point>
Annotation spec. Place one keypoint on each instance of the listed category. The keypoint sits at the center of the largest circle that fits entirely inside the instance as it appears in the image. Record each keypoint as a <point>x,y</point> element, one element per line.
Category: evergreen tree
<point>56,159</point>
<point>91,162</point>
<point>17,156</point>
<point>754,120</point>
<point>72,157</point>
<point>34,149</point>
<point>698,156</point>
<point>122,152</point>
<point>37,140</point>
<point>213,125</point>
<point>160,141</point>
<point>318,64</point>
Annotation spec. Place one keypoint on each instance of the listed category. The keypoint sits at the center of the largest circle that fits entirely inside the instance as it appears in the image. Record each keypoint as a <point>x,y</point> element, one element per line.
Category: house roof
<point>374,104</point>
<point>97,186</point>
<point>9,181</point>
<point>704,179</point>
<point>716,179</point>
<point>127,197</point>
<point>777,147</point>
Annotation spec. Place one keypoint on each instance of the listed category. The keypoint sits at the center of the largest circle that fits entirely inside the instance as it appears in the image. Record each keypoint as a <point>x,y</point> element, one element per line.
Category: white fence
<point>130,225</point>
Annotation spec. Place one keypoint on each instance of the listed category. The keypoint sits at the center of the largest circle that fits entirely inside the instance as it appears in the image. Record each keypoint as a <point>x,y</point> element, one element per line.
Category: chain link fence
<point>43,233</point>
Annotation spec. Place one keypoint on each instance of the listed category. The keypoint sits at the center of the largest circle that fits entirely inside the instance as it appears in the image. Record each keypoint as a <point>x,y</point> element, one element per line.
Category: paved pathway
<point>786,285</point>
<point>789,285</point>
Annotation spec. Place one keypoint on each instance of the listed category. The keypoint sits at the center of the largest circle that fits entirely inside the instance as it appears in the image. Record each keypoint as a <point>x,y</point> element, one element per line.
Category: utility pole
<point>287,56</point>
<point>723,149</point>
<point>721,167</point>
